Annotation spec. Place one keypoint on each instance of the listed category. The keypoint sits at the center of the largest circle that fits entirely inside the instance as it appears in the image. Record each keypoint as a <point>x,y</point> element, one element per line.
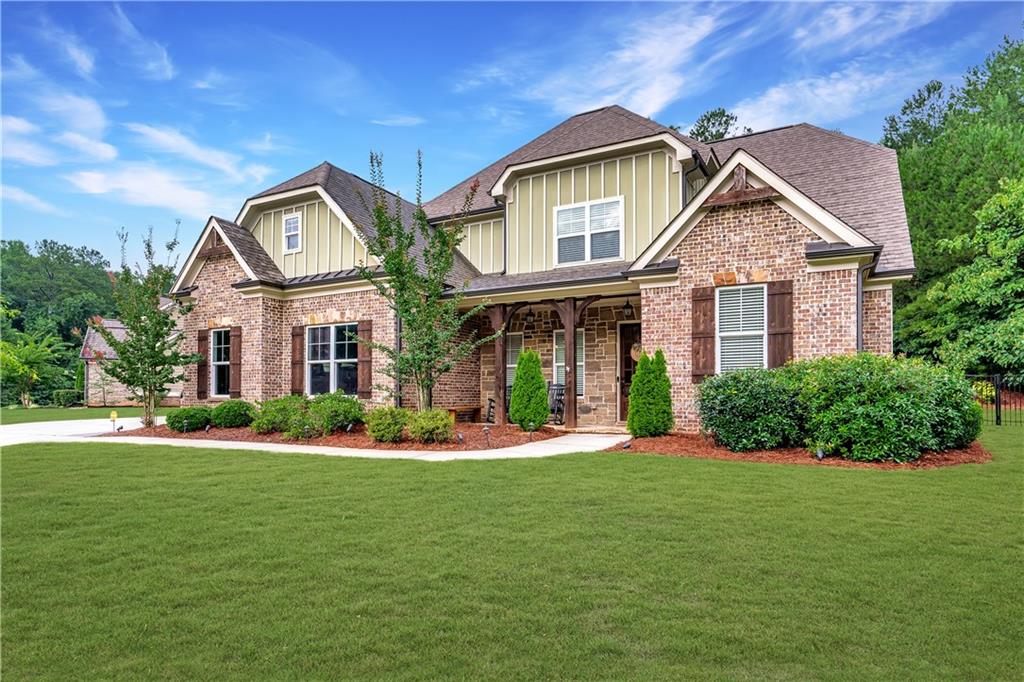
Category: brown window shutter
<point>364,355</point>
<point>235,363</point>
<point>703,333</point>
<point>298,359</point>
<point>203,368</point>
<point>780,322</point>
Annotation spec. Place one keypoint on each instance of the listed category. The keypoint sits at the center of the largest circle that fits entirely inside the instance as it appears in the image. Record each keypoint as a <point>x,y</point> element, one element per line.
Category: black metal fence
<point>1001,403</point>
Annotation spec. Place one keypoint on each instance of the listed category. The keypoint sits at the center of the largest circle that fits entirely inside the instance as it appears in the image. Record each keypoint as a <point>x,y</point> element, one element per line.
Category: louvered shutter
<point>364,360</point>
<point>203,368</point>
<point>703,333</point>
<point>298,359</point>
<point>780,322</point>
<point>235,363</point>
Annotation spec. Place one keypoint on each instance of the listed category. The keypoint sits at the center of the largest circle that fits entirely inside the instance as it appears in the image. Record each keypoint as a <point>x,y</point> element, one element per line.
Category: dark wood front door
<point>629,341</point>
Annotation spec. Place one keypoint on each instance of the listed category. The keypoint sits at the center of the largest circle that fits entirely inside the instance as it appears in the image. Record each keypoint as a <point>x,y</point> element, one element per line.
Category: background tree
<point>28,360</point>
<point>416,263</point>
<point>528,405</point>
<point>920,119</point>
<point>715,124</point>
<point>149,358</point>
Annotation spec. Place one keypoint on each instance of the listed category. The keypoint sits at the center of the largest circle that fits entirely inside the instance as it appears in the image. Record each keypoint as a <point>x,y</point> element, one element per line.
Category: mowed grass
<point>150,562</point>
<point>19,415</point>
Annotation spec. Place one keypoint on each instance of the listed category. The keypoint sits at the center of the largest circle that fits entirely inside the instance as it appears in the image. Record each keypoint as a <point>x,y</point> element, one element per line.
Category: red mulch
<point>473,437</point>
<point>691,445</point>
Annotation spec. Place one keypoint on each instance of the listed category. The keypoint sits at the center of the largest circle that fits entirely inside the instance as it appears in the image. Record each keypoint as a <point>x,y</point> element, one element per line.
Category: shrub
<point>335,412</point>
<point>187,419</point>
<point>750,409</point>
<point>954,414</point>
<point>232,414</point>
<point>984,392</point>
<point>431,426</point>
<point>275,415</point>
<point>66,397</point>
<point>385,424</point>
<point>302,424</point>
<point>650,398</point>
<point>528,406</point>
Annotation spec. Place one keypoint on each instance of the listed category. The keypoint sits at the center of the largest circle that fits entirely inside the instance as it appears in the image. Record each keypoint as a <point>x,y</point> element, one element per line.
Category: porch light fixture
<point>530,317</point>
<point>627,310</point>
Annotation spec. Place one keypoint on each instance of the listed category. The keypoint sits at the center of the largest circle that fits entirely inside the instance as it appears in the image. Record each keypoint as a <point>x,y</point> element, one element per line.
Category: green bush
<point>955,415</point>
<point>431,426</point>
<point>66,397</point>
<point>750,409</point>
<point>385,424</point>
<point>232,414</point>
<point>275,415</point>
<point>650,398</point>
<point>335,412</point>
<point>984,392</point>
<point>528,406</point>
<point>302,425</point>
<point>187,419</point>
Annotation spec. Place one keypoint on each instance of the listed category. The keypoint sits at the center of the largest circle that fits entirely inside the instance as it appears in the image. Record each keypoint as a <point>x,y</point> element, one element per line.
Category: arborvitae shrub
<point>650,398</point>
<point>529,404</point>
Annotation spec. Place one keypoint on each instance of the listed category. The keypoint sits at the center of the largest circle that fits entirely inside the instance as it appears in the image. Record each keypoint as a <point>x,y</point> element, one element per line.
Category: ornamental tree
<point>149,358</point>
<point>414,277</point>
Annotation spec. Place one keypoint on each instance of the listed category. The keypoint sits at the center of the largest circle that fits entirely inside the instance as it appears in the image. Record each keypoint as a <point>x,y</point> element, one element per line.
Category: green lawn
<point>151,562</point>
<point>18,415</point>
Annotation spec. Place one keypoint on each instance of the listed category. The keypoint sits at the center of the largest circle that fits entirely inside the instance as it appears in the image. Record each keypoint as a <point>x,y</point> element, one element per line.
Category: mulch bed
<point>474,437</point>
<point>691,445</point>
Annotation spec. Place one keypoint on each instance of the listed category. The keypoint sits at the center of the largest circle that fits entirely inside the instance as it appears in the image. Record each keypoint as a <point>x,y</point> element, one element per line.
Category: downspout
<point>398,347</point>
<point>860,299</point>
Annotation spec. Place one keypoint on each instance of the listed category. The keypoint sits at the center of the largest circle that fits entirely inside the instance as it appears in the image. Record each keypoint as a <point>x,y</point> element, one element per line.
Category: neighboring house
<point>609,229</point>
<point>102,389</point>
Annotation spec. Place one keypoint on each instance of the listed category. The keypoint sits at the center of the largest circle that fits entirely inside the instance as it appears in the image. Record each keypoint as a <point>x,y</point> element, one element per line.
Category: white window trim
<point>587,232</point>
<point>581,360</point>
<point>332,362</point>
<point>718,328</point>
<point>510,370</point>
<point>284,235</point>
<point>214,364</point>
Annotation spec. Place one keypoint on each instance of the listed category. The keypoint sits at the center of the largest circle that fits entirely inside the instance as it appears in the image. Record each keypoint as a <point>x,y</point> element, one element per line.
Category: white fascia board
<point>824,224</point>
<point>682,152</point>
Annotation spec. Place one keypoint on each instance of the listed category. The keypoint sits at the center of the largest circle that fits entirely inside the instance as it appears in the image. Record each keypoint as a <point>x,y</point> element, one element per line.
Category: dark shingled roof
<point>354,196</point>
<point>589,130</point>
<point>857,181</point>
<point>249,248</point>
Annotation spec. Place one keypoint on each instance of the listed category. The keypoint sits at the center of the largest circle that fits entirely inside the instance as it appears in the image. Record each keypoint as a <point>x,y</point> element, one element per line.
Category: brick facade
<point>877,325</point>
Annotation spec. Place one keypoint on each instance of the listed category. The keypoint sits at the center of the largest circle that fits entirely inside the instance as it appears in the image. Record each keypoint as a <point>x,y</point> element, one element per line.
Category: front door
<point>629,351</point>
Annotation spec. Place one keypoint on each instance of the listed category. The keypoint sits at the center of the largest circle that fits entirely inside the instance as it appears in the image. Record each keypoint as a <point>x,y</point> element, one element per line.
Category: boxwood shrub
<point>750,409</point>
<point>66,397</point>
<point>275,415</point>
<point>335,412</point>
<point>187,419</point>
<point>386,424</point>
<point>431,426</point>
<point>232,414</point>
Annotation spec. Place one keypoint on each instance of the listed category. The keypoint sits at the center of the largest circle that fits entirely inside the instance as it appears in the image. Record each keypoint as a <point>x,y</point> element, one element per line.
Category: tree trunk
<point>26,400</point>
<point>424,397</point>
<point>149,409</point>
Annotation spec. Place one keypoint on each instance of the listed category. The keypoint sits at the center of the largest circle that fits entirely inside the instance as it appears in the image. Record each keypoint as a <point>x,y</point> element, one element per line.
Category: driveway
<point>38,432</point>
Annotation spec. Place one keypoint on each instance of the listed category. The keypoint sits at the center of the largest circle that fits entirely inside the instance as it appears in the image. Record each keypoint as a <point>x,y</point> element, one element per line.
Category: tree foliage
<point>416,262</point>
<point>715,124</point>
<point>28,360</point>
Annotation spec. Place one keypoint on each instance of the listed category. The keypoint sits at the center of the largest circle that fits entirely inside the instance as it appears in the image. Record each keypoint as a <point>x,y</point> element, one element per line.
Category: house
<point>609,230</point>
<point>102,390</point>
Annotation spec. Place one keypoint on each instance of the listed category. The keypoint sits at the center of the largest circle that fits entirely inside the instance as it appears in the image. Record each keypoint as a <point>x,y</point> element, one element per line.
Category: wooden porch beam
<point>500,315</point>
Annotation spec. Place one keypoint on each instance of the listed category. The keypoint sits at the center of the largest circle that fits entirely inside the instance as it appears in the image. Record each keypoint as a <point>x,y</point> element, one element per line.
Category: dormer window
<point>292,232</point>
<point>588,231</point>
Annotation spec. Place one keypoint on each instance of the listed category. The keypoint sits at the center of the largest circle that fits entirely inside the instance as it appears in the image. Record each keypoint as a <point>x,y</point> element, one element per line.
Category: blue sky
<point>139,114</point>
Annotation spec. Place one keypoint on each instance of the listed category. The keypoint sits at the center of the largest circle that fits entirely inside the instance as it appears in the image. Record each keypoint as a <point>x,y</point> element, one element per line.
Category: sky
<point>140,115</point>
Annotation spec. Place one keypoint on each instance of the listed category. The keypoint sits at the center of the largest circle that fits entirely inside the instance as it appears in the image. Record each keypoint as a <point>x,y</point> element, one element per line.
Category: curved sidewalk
<point>84,431</point>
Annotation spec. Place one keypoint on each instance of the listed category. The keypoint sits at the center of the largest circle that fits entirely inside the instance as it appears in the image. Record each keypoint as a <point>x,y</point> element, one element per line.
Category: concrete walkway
<point>83,431</point>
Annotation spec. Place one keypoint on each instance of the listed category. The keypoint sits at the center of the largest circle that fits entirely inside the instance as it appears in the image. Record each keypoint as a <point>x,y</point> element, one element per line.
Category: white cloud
<point>145,185</point>
<point>173,141</point>
<point>78,113</point>
<point>12,125</point>
<point>18,69</point>
<point>150,56</point>
<point>70,46</point>
<point>96,150</point>
<point>265,144</point>
<point>212,80</point>
<point>258,172</point>
<point>398,121</point>
<point>20,196</point>
<point>846,27</point>
<point>17,147</point>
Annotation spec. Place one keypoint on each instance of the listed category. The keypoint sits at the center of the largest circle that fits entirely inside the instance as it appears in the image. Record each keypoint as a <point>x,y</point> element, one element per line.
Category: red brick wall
<point>877,329</point>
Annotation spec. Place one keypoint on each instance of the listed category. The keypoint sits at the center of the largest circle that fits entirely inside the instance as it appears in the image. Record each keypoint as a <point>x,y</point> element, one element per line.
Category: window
<point>513,347</point>
<point>740,315</point>
<point>292,232</point>
<point>332,355</point>
<point>220,362</point>
<point>590,231</point>
<point>560,359</point>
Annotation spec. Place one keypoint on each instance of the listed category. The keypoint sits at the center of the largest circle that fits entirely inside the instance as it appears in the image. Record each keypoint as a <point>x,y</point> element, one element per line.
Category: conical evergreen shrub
<point>529,404</point>
<point>650,398</point>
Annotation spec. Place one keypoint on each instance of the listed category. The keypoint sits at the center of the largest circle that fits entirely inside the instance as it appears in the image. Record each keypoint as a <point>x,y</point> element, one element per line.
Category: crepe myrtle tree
<point>416,261</point>
<point>149,359</point>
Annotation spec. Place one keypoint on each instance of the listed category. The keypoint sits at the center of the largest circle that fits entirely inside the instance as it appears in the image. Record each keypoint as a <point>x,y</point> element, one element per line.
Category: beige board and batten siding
<point>483,243</point>
<point>328,245</point>
<point>649,182</point>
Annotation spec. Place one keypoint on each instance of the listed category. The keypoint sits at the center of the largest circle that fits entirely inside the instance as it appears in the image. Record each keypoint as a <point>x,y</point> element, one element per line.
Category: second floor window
<point>292,232</point>
<point>220,362</point>
<point>591,231</point>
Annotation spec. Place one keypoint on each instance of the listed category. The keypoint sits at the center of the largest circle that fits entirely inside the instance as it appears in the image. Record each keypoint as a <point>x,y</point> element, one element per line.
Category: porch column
<point>499,316</point>
<point>570,311</point>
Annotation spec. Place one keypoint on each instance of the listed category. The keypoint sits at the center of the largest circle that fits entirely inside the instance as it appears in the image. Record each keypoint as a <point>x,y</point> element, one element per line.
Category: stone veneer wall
<point>746,243</point>
<point>877,330</point>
